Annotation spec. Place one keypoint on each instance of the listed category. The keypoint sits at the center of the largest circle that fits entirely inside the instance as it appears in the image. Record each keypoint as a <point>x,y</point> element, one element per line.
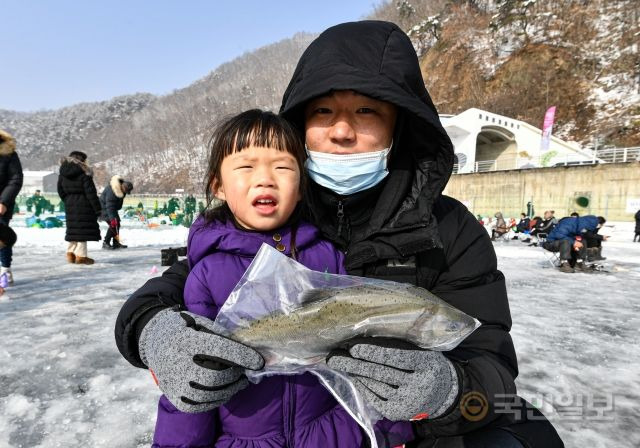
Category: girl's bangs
<point>262,134</point>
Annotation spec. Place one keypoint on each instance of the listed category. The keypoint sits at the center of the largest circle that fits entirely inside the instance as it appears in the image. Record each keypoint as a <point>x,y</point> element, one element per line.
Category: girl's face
<point>261,187</point>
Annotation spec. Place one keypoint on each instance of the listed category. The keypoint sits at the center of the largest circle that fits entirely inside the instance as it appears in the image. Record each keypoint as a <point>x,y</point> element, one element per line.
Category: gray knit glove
<point>398,379</point>
<point>196,369</point>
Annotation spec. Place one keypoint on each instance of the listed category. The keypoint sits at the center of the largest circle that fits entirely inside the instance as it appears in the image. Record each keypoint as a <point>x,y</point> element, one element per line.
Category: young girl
<point>256,170</point>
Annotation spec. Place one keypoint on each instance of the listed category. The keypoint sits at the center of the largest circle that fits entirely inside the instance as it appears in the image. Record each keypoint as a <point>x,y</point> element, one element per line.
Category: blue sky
<point>58,53</point>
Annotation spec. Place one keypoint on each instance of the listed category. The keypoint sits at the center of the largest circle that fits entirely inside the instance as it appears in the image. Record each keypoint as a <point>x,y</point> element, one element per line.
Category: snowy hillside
<point>514,57</point>
<point>64,384</point>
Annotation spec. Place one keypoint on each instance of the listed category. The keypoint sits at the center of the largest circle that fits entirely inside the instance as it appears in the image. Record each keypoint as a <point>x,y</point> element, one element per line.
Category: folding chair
<point>552,257</point>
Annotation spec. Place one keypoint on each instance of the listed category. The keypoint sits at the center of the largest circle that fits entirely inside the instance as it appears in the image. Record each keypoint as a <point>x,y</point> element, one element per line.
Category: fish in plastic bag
<point>329,316</point>
<point>295,316</point>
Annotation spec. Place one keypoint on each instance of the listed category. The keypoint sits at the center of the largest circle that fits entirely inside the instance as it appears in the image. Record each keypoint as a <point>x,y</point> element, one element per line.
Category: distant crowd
<point>82,205</point>
<point>575,239</point>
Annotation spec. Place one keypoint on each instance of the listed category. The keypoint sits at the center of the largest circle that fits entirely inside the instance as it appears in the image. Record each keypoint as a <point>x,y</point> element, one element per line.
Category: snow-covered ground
<point>64,384</point>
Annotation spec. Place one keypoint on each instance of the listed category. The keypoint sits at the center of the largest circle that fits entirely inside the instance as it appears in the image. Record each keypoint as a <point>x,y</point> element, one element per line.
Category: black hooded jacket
<point>10,174</point>
<point>404,229</point>
<point>81,204</point>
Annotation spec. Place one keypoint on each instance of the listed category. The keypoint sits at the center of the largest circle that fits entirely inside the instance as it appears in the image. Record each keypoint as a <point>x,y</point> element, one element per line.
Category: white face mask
<point>346,174</point>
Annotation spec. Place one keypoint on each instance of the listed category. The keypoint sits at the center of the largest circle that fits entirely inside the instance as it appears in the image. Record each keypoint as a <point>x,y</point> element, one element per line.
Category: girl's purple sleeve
<point>340,262</point>
<point>175,428</point>
<point>396,433</point>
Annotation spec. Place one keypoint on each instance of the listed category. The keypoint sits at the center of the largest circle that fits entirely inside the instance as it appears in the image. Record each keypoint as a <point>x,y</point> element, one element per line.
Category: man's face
<point>547,215</point>
<point>345,122</point>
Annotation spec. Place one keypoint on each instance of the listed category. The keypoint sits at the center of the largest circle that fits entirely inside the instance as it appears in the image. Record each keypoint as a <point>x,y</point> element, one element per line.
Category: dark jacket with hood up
<point>10,173</point>
<point>403,229</point>
<point>81,204</point>
<point>112,198</point>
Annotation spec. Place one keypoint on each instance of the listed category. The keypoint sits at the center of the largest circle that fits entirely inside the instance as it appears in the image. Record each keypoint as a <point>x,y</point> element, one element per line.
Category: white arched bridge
<point>485,141</point>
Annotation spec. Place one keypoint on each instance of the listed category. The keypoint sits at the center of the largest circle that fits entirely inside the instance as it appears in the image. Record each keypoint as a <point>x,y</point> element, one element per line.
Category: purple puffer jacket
<point>280,411</point>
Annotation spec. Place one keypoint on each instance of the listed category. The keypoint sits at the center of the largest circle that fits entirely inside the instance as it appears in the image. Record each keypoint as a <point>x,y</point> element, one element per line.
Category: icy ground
<point>64,384</point>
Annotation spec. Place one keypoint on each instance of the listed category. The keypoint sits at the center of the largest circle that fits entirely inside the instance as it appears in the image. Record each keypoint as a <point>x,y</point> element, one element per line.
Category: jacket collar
<point>71,167</point>
<point>116,186</point>
<point>206,238</point>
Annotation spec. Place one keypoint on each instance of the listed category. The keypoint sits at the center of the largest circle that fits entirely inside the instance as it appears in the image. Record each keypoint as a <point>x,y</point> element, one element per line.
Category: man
<point>378,161</point>
<point>111,201</point>
<point>594,241</point>
<point>567,239</point>
<point>10,185</point>
<point>544,226</point>
<point>523,224</point>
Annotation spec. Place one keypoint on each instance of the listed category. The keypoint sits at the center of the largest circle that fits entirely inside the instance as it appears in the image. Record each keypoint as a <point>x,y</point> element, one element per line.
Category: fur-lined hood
<point>116,186</point>
<point>69,165</point>
<point>8,145</point>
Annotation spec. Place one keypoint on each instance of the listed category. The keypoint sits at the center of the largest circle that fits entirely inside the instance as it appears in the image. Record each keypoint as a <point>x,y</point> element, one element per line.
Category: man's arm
<point>486,361</point>
<point>591,235</point>
<point>159,293</point>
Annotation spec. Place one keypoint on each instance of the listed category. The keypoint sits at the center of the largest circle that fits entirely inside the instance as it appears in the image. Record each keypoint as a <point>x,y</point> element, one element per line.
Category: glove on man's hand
<point>397,378</point>
<point>196,369</point>
<point>113,223</point>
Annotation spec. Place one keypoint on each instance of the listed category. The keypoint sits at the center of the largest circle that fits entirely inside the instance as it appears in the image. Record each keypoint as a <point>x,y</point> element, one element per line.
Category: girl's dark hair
<point>254,127</point>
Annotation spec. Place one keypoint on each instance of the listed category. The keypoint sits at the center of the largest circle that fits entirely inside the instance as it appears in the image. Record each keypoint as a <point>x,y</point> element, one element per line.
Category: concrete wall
<point>608,187</point>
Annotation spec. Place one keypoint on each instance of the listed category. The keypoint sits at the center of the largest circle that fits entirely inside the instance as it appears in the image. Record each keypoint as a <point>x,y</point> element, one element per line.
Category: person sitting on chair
<point>522,227</point>
<point>566,238</point>
<point>594,241</point>
<point>501,227</point>
<point>544,226</point>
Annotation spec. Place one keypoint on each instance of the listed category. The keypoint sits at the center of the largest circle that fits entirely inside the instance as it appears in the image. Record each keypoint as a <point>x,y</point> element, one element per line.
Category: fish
<point>326,317</point>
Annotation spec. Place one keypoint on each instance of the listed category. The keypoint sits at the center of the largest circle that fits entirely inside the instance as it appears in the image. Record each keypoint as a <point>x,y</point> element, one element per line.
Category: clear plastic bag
<point>295,316</point>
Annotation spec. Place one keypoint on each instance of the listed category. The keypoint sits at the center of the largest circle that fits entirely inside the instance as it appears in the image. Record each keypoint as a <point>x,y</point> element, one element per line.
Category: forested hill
<point>512,57</point>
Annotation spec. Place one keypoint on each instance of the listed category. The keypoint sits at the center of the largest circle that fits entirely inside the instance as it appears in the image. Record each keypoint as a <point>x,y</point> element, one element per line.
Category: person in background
<point>501,227</point>
<point>533,222</point>
<point>637,235</point>
<point>543,226</point>
<point>7,239</point>
<point>82,206</point>
<point>522,226</point>
<point>111,200</point>
<point>566,238</point>
<point>10,185</point>
<point>594,241</point>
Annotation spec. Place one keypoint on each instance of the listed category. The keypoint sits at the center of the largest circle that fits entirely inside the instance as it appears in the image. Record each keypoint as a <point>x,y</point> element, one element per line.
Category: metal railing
<point>619,155</point>
<point>609,155</point>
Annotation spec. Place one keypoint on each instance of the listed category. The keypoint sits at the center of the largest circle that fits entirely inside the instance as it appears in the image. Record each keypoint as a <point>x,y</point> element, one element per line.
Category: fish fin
<point>316,294</point>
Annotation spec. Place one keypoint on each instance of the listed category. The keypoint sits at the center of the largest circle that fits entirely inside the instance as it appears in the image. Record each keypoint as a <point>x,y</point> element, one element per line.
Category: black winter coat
<point>403,229</point>
<point>10,176</point>
<point>81,204</point>
<point>637,216</point>
<point>112,198</point>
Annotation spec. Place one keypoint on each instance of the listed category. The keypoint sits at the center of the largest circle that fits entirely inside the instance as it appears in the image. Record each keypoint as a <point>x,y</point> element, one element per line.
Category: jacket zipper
<point>340,215</point>
<point>292,405</point>
<point>289,408</point>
